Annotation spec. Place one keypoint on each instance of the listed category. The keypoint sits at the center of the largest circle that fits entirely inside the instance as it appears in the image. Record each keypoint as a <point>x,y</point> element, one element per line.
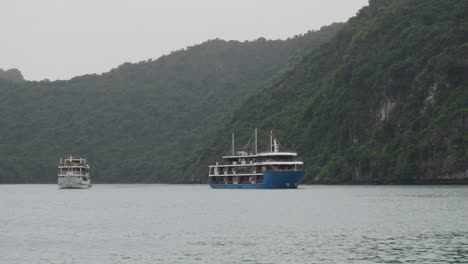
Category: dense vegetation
<point>138,122</point>
<point>385,101</point>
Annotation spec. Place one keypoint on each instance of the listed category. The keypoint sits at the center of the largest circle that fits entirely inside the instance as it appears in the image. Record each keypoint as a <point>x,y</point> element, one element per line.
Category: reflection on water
<point>196,224</point>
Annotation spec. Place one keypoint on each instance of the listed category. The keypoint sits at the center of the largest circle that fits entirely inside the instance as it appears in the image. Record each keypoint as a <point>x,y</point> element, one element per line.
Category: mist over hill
<point>12,75</point>
<point>382,98</point>
<point>140,121</point>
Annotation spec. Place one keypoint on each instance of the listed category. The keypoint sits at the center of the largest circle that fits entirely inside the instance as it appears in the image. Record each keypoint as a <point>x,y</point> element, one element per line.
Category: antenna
<point>271,140</point>
<point>255,140</point>
<point>233,151</point>
<point>275,145</point>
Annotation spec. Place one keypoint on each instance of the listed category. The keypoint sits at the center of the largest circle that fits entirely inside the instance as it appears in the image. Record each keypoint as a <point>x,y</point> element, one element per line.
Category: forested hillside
<point>386,101</point>
<point>138,122</point>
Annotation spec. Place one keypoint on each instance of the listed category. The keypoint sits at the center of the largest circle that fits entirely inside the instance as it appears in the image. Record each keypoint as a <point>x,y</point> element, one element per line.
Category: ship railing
<point>257,161</point>
<point>235,174</point>
<point>73,174</point>
<point>275,160</point>
<point>73,165</point>
<point>246,172</point>
<point>283,170</point>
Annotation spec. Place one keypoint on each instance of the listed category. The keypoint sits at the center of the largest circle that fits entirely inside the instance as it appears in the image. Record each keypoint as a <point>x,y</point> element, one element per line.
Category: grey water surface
<point>196,224</point>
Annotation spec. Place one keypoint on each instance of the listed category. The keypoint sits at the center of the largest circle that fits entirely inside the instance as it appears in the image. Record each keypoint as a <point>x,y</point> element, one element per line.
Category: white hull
<point>73,182</point>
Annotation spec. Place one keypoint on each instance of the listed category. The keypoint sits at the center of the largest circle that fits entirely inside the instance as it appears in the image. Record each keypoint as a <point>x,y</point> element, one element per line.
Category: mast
<point>271,140</point>
<point>255,140</point>
<point>233,151</point>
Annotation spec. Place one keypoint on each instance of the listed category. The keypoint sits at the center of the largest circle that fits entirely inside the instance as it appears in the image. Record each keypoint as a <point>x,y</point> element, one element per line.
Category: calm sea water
<point>196,224</point>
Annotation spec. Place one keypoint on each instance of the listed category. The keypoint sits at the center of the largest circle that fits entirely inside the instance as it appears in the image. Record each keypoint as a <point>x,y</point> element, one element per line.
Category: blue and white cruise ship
<point>273,169</point>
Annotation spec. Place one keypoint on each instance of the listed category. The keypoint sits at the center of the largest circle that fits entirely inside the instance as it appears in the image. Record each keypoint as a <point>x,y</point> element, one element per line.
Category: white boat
<point>73,173</point>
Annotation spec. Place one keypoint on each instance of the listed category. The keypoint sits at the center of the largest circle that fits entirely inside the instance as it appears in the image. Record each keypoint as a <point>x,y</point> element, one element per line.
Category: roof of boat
<point>71,158</point>
<point>262,154</point>
<point>74,166</point>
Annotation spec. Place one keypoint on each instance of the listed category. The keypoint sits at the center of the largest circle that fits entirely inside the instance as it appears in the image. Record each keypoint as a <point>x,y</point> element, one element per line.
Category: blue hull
<point>271,180</point>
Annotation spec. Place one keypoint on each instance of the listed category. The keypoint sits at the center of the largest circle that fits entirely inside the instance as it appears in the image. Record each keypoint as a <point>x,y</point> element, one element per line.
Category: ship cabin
<point>245,168</point>
<point>270,169</point>
<point>72,166</point>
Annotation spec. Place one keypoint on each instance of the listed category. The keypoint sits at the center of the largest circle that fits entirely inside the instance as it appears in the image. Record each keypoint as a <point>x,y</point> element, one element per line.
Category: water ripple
<point>194,224</point>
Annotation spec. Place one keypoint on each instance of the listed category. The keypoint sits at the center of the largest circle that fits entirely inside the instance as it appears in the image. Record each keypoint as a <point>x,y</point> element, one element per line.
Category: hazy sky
<point>60,39</point>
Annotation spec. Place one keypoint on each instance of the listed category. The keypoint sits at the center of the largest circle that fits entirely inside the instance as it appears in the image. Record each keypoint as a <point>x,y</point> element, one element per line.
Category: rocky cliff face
<point>385,101</point>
